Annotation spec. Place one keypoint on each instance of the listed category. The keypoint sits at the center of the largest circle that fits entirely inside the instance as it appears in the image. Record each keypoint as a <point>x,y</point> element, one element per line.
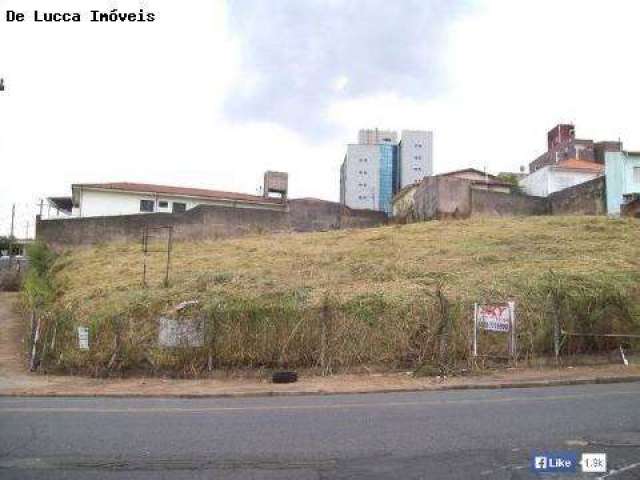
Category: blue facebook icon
<point>554,462</point>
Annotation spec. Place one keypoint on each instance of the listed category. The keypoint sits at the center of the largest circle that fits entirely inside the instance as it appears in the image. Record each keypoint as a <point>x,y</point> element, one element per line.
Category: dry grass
<point>382,277</point>
<point>473,256</point>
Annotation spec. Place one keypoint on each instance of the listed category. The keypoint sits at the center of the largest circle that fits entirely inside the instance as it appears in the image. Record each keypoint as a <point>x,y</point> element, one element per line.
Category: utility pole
<point>13,216</point>
<point>41,206</point>
<point>26,230</point>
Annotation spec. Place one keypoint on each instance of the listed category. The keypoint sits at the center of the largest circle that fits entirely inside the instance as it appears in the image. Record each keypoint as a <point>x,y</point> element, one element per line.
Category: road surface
<point>439,435</point>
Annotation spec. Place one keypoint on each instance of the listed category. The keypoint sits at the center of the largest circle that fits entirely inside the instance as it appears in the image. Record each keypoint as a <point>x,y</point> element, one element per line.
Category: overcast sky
<point>215,92</point>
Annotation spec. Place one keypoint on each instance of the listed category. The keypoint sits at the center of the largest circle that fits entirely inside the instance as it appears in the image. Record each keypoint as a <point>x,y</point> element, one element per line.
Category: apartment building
<point>379,165</point>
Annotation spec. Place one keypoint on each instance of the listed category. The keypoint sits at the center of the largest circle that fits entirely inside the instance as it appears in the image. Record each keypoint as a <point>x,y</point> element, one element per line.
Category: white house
<point>124,198</point>
<point>553,178</point>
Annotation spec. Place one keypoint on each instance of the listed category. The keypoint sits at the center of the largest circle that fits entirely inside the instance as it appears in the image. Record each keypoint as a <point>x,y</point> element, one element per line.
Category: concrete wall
<point>207,222</point>
<point>442,197</point>
<point>426,199</point>
<point>488,203</point>
<point>452,197</point>
<point>588,198</point>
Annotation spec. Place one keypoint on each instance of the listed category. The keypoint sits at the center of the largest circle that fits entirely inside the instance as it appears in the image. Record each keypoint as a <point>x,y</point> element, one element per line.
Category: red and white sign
<point>496,318</point>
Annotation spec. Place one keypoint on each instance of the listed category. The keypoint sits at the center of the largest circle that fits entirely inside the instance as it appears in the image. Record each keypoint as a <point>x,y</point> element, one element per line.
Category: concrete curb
<point>284,393</point>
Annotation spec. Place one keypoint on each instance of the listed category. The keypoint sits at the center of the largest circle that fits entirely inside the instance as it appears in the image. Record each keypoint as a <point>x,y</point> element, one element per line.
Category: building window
<point>179,207</point>
<point>417,157</point>
<point>163,204</point>
<point>146,205</point>
<point>636,174</point>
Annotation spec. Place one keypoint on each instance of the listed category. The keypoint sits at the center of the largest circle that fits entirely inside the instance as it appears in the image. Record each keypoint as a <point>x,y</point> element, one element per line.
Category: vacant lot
<point>350,298</point>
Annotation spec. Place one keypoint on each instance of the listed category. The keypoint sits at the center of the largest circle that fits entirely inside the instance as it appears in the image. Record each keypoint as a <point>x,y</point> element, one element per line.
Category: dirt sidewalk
<point>16,381</point>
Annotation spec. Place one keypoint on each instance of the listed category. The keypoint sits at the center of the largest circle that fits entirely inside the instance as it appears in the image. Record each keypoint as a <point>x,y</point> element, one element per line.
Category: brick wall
<point>587,198</point>
<point>207,222</point>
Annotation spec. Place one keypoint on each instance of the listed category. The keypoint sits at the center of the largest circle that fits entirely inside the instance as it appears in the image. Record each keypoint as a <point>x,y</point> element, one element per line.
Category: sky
<point>215,92</point>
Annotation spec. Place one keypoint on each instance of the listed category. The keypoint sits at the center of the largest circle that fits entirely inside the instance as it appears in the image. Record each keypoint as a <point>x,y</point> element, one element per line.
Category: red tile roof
<point>574,163</point>
<point>178,191</point>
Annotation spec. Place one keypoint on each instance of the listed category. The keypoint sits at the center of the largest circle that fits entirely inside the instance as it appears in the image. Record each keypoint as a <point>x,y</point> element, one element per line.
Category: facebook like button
<point>554,462</point>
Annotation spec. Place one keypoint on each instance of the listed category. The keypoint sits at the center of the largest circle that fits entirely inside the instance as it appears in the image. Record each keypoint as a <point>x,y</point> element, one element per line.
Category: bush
<point>41,258</point>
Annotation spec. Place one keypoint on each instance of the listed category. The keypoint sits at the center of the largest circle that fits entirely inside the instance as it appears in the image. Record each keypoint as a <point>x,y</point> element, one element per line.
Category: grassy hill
<point>384,296</point>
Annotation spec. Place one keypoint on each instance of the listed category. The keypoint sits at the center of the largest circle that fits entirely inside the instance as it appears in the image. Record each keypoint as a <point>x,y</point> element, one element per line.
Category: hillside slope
<point>265,294</point>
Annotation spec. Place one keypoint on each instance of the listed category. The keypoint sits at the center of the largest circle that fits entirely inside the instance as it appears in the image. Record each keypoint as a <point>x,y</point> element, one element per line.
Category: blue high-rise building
<point>374,169</point>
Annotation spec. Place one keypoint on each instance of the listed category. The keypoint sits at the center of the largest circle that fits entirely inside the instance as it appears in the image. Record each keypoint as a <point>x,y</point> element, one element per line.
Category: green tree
<point>5,242</point>
<point>513,180</point>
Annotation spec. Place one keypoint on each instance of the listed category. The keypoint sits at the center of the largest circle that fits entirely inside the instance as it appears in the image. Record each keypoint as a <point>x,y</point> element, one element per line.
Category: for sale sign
<point>496,318</point>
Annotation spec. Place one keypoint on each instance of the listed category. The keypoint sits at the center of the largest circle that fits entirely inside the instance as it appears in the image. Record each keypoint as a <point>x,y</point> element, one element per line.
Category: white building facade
<point>553,178</point>
<point>108,199</point>
<point>416,156</point>
<point>360,177</point>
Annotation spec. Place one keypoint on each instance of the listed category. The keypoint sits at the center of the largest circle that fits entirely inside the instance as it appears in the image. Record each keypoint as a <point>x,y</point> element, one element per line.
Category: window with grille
<point>146,205</point>
<point>179,207</point>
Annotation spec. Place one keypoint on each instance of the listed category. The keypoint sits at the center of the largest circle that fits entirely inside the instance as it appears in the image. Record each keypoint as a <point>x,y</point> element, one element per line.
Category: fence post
<point>169,245</point>
<point>35,335</point>
<point>556,336</point>
<point>475,330</point>
<point>144,260</point>
<point>323,337</point>
<point>445,332</point>
<point>514,346</point>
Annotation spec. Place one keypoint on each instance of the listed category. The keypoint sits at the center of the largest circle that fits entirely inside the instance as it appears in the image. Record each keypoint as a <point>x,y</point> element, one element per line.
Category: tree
<point>512,179</point>
<point>5,243</point>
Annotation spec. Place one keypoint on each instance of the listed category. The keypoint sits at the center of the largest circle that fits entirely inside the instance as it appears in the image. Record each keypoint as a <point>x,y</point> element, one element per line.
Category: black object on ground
<point>284,377</point>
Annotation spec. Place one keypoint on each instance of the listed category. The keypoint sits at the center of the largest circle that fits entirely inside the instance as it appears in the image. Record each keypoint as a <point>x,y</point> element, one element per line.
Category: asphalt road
<point>439,435</point>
